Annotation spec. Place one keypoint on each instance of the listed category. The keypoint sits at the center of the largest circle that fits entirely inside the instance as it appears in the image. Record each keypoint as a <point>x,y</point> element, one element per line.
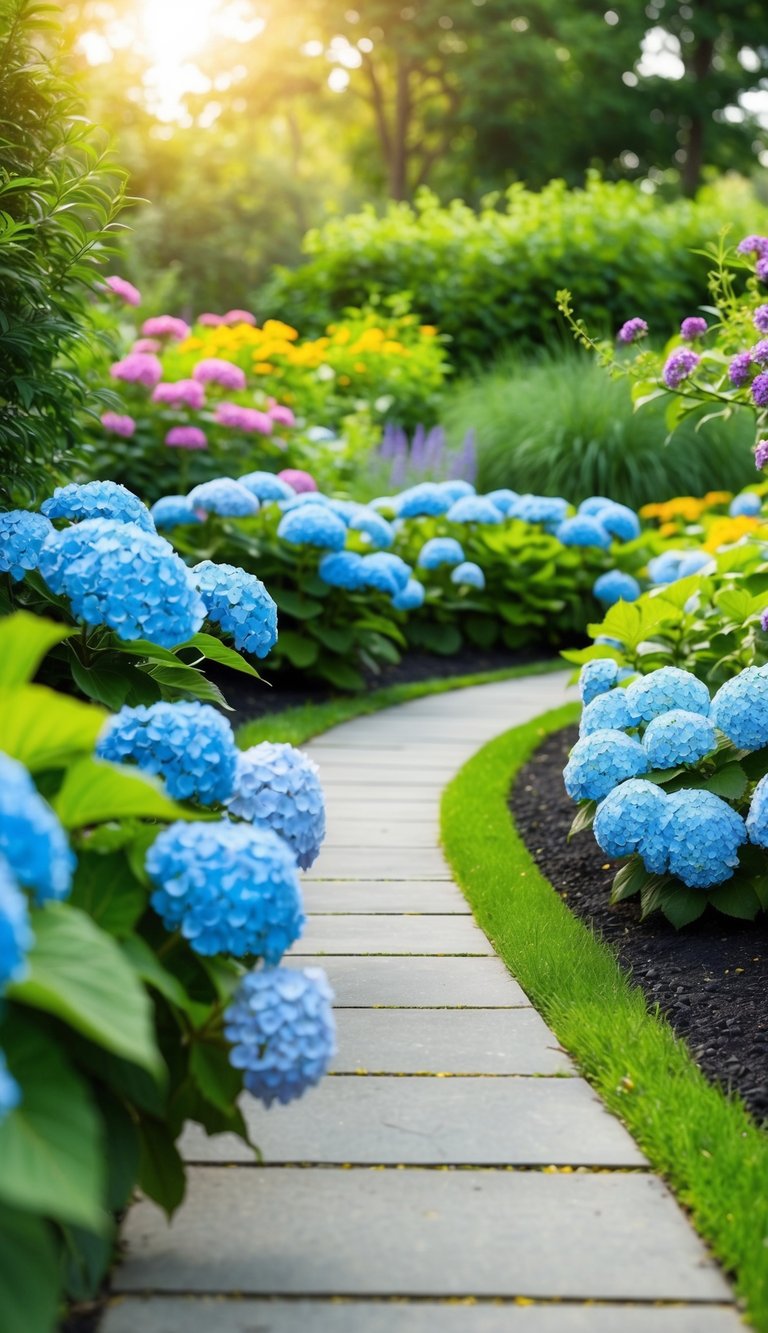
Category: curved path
<point>453,1172</point>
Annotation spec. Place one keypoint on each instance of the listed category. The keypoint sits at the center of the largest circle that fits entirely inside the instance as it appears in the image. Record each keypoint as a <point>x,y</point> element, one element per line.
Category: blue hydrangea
<point>10,1092</point>
<point>190,745</point>
<point>621,521</point>
<point>747,504</point>
<point>456,488</point>
<point>428,498</point>
<point>342,569</point>
<point>384,571</point>
<point>598,762</point>
<point>608,712</point>
<point>678,737</point>
<point>551,510</point>
<point>740,709</point>
<point>411,597</point>
<point>665,568</point>
<point>582,530</point>
<point>225,497</point>
<point>174,511</point>
<point>16,938</point>
<point>629,820</point>
<point>279,786</point>
<point>116,574</point>
<point>593,504</point>
<point>692,562</point>
<point>474,509</point>
<point>596,677</point>
<point>22,534</point>
<point>665,689</point>
<point>313,525</point>
<point>304,498</point>
<point>757,819</point>
<point>616,586</point>
<point>468,575</point>
<point>384,504</point>
<point>344,509</point>
<point>229,888</point>
<point>31,838</point>
<point>239,604</point>
<point>605,641</point>
<point>282,1030</point>
<point>503,498</point>
<point>266,486</point>
<point>440,551</point>
<point>375,528</point>
<point>98,499</point>
<point>702,835</point>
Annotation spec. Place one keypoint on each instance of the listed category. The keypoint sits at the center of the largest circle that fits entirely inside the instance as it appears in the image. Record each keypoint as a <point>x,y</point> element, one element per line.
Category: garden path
<point>453,1170</point>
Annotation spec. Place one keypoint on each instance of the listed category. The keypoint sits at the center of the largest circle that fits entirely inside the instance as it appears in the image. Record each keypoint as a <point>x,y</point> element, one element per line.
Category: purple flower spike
<point>679,366</point>
<point>632,330</point>
<point>693,327</point>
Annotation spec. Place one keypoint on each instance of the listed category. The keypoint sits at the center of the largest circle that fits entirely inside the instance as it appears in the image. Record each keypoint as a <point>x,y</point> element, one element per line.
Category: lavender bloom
<point>116,424</point>
<point>761,269</point>
<point>753,245</point>
<point>165,326</point>
<point>186,437</point>
<point>138,368</point>
<point>759,353</point>
<point>632,330</point>
<point>761,453</point>
<point>678,366</point>
<point>693,327</point>
<point>760,389</point>
<point>213,370</point>
<point>760,319</point>
<point>740,369</point>
<point>247,419</point>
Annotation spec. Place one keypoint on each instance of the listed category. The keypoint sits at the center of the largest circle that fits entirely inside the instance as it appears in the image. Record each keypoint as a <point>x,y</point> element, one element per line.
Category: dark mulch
<point>710,979</point>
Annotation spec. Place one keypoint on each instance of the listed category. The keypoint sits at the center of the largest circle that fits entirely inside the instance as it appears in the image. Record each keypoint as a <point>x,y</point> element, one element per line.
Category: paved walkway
<point>453,1172</point>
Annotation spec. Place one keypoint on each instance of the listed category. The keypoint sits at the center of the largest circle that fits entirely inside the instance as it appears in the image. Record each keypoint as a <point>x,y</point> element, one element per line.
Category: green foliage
<point>59,197</point>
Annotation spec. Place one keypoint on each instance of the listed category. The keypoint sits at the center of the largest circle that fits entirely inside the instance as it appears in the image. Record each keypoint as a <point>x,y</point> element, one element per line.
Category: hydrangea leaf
<point>296,605</point>
<point>107,890</point>
<point>629,880</point>
<point>583,819</point>
<point>43,729</point>
<point>161,1170</point>
<point>148,966</point>
<point>681,906</point>
<point>181,679</point>
<point>736,898</point>
<point>730,781</point>
<point>24,641</point>
<point>215,651</point>
<point>95,791</point>
<point>106,685</point>
<point>29,1271</point>
<point>218,1082</point>
<point>301,651</point>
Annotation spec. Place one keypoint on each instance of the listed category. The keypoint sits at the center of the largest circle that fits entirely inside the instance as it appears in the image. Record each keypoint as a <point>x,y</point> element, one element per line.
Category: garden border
<point>704,1143</point>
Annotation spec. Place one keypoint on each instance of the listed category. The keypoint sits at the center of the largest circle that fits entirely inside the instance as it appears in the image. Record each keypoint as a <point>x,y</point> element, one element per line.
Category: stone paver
<point>410,1191</point>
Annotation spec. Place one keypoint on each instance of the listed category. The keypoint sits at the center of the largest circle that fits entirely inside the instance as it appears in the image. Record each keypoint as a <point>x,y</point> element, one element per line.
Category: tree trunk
<point>398,163</point>
<point>699,68</point>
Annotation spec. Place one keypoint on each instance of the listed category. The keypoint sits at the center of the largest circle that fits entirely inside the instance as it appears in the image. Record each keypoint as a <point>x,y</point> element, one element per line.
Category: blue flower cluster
<point>10,1092</point>
<point>313,525</point>
<point>504,499</point>
<point>615,586</point>
<point>16,938</point>
<point>702,835</point>
<point>596,677</point>
<point>230,888</point>
<point>474,509</point>
<point>628,821</point>
<point>119,575</point>
<point>440,551</point>
<point>225,497</point>
<point>175,511</point>
<point>98,499</point>
<point>468,575</point>
<point>266,486</point>
<point>385,571</point>
<point>601,760</point>
<point>757,819</point>
<point>32,840</point>
<point>373,526</point>
<point>740,708</point>
<point>606,712</point>
<point>239,604</point>
<point>619,520</point>
<point>282,1030</point>
<point>593,504</point>
<point>190,745</point>
<point>279,786</point>
<point>678,738</point>
<point>411,597</point>
<point>549,510</point>
<point>665,689</point>
<point>342,569</point>
<point>582,530</point>
<point>748,504</point>
<point>427,498</point>
<point>22,534</point>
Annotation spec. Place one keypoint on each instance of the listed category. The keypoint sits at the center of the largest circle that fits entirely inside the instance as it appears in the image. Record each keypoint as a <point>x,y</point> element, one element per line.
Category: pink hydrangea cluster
<point>247,419</point>
<point>209,320</point>
<point>147,345</point>
<point>298,480</point>
<point>280,414</point>
<point>116,424</point>
<point>165,326</point>
<point>124,289</point>
<point>238,317</point>
<point>214,370</point>
<point>186,437</point>
<point>180,393</point>
<point>138,368</point>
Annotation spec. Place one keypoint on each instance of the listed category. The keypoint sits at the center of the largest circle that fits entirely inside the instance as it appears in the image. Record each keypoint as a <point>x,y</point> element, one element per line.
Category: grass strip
<point>296,725</point>
<point>703,1142</point>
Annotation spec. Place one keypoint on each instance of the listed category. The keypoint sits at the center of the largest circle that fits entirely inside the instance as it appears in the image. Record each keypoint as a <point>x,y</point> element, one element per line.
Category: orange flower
<point>718,498</point>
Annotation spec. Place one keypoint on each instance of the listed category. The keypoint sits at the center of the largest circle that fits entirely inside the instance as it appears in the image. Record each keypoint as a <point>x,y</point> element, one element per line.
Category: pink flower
<point>124,289</point>
<point>281,414</point>
<point>117,425</point>
<point>138,368</point>
<point>210,321</point>
<point>186,437</point>
<point>165,326</point>
<point>238,317</point>
<point>243,418</point>
<point>147,345</point>
<point>216,371</point>
<point>298,480</point>
<point>180,393</point>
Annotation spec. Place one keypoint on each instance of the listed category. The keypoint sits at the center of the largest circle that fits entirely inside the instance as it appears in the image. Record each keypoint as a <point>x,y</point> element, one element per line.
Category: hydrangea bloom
<point>279,786</point>
<point>468,575</point>
<point>601,760</point>
<point>474,509</point>
<point>661,691</point>
<point>281,415</point>
<point>138,368</point>
<point>165,326</point>
<point>10,1092</point>
<point>548,509</point>
<point>596,677</point>
<point>427,498</point>
<point>593,504</point>
<point>224,497</point>
<point>678,737</point>
<point>21,536</point>
<point>761,453</point>
<point>298,480</point>
<point>692,562</point>
<point>265,486</point>
<point>740,709</point>
<point>190,745</point>
<point>186,437</point>
<point>678,366</point>
<point>616,586</point>
<point>757,819</point>
<point>760,389</point>
<point>247,419</point>
<point>305,498</point>
<point>607,712</point>
<point>665,568</point>
<point>409,598</point>
<point>376,529</point>
<point>16,938</point>
<point>740,369</point>
<point>621,521</point>
<point>283,1031</point>
<point>124,289</point>
<point>389,573</point>
<point>747,503</point>
<point>147,345</point>
<point>313,525</point>
<point>239,317</point>
<point>117,424</point>
<point>632,329</point>
<point>629,820</point>
<point>240,604</point>
<point>583,530</point>
<point>457,488</point>
<point>98,499</point>
<point>343,509</point>
<point>32,840</point>
<point>342,569</point>
<point>702,835</point>
<point>179,393</point>
<point>172,511</point>
<point>230,888</point>
<point>440,551</point>
<point>695,326</point>
<point>503,498</point>
<point>213,370</point>
<point>116,574</point>
<point>760,319</point>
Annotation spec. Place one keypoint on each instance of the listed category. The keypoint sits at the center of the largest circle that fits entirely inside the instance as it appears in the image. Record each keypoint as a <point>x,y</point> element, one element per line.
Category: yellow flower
<point>718,498</point>
<point>726,531</point>
<point>360,367</point>
<point>344,380</point>
<point>263,368</point>
<point>428,330</point>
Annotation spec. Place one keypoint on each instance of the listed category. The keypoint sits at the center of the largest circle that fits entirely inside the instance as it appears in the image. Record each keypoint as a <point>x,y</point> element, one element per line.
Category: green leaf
<point>107,685</point>
<point>216,651</point>
<point>219,1083</point>
<point>735,898</point>
<point>51,1144</point>
<point>681,906</point>
<point>148,966</point>
<point>181,679</point>
<point>94,791</point>
<point>301,651</point>
<point>730,781</point>
<point>583,819</point>
<point>24,641</point>
<point>161,1170</point>
<point>106,888</point>
<point>296,605</point>
<point>341,674</point>
<point>29,1272</point>
<point>735,603</point>
<point>43,729</point>
<point>79,973</point>
<point>629,880</point>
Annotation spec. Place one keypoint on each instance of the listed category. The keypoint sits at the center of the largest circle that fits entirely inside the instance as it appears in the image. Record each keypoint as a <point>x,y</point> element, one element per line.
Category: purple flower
<point>632,330</point>
<point>180,393</point>
<point>759,353</point>
<point>118,425</point>
<point>753,245</point>
<point>740,369</point>
<point>124,289</point>
<point>147,345</point>
<point>761,268</point>
<point>678,366</point>
<point>214,370</point>
<point>761,453</point>
<point>693,327</point>
<point>186,437</point>
<point>760,319</point>
<point>243,418</point>
<point>299,481</point>
<point>282,414</point>
<point>138,368</point>
<point>760,389</point>
<point>165,326</point>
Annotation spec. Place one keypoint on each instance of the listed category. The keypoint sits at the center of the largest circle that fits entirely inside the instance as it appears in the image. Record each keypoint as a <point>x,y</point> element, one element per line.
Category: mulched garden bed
<point>710,979</point>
